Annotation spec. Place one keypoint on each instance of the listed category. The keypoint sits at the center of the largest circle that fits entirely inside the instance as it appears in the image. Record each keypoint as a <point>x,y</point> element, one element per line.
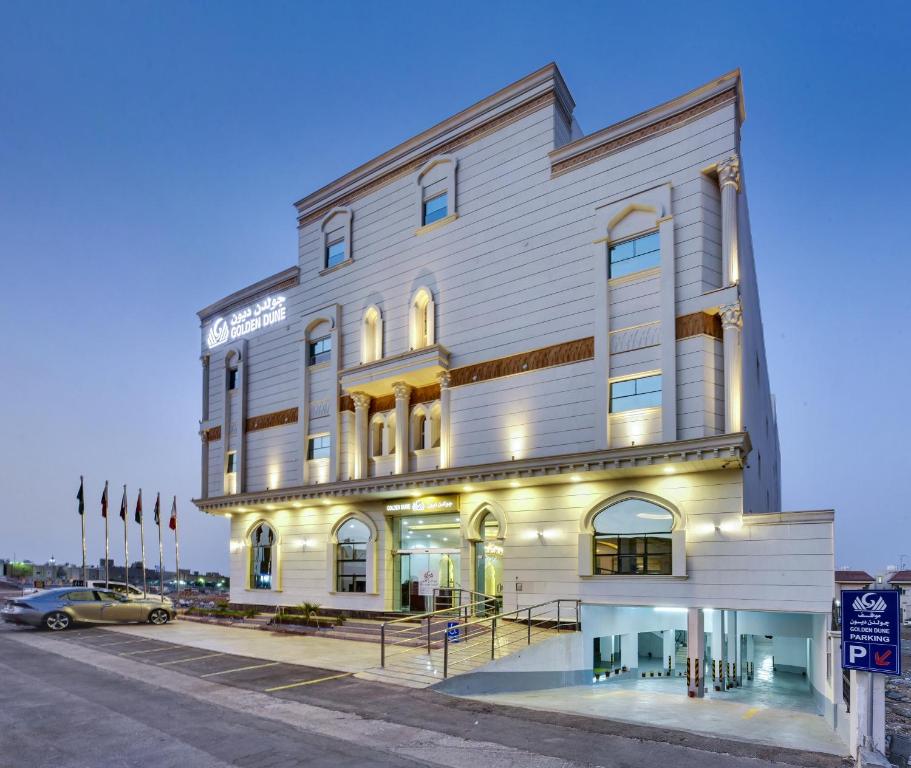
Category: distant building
<point>901,580</point>
<point>848,579</point>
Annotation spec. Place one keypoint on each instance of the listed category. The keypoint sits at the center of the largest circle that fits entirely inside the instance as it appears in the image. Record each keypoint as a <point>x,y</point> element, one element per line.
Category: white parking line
<point>192,658</point>
<point>119,642</point>
<point>153,650</point>
<point>240,669</point>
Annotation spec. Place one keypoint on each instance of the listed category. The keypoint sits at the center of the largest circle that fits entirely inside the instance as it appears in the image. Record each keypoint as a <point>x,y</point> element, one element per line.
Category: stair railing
<point>404,633</point>
<point>519,626</point>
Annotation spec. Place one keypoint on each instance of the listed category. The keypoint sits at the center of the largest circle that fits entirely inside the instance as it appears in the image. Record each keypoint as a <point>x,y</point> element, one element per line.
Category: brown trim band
<point>495,124</point>
<point>268,420</point>
<point>697,324</point>
<point>558,354</point>
<point>648,131</point>
<point>212,434</point>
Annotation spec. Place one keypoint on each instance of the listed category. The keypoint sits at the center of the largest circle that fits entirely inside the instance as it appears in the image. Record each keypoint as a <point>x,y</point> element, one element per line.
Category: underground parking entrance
<point>762,676</point>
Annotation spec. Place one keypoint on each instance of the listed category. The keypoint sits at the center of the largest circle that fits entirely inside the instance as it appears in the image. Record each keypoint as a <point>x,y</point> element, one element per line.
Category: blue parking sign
<point>871,631</point>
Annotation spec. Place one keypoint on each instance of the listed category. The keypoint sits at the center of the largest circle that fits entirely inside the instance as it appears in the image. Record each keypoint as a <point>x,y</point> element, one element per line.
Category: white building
<point>529,362</point>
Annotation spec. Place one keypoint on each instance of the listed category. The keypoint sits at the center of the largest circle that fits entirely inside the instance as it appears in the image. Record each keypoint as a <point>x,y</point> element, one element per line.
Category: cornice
<point>535,91</point>
<point>722,449</point>
<point>724,90</point>
<point>286,278</point>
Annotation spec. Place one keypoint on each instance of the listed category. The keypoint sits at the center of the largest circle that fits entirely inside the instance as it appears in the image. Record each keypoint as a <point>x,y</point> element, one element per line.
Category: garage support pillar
<point>629,651</point>
<point>716,673</point>
<point>669,650</point>
<point>695,652</point>
<point>733,654</point>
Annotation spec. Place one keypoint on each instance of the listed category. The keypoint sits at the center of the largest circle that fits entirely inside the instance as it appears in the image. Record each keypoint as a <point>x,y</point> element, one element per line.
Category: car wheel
<point>159,616</point>
<point>57,621</point>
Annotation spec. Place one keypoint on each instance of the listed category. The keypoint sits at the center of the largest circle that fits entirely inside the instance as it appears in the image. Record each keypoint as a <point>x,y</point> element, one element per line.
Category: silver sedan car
<point>58,609</point>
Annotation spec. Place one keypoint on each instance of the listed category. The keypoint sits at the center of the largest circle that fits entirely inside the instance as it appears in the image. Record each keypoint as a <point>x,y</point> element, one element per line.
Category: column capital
<point>729,172</point>
<point>360,400</point>
<point>731,316</point>
<point>444,378</point>
<point>401,390</point>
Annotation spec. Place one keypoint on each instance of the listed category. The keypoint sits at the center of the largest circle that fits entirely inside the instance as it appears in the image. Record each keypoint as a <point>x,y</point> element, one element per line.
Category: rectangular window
<point>318,447</point>
<point>635,255</point>
<point>320,350</point>
<point>232,378</point>
<point>435,208</point>
<point>232,463</point>
<point>335,253</point>
<point>635,393</point>
<point>633,554</point>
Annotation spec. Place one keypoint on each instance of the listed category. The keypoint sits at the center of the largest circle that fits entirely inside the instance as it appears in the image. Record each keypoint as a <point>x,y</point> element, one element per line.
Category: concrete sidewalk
<point>306,650</point>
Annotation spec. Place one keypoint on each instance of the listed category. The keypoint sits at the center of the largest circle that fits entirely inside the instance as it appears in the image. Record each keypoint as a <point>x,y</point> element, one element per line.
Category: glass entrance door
<point>411,569</point>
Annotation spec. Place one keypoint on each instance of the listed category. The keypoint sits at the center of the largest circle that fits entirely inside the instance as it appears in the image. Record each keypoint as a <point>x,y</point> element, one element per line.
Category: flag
<point>172,523</point>
<point>123,505</point>
<point>138,516</point>
<point>81,496</point>
<point>158,509</point>
<point>104,500</point>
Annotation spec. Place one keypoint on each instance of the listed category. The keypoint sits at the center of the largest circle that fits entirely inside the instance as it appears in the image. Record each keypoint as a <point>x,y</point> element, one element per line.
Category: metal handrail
<point>415,622</point>
<point>521,614</point>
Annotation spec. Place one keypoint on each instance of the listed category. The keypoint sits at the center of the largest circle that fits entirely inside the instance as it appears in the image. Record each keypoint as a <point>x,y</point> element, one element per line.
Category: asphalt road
<point>91,697</point>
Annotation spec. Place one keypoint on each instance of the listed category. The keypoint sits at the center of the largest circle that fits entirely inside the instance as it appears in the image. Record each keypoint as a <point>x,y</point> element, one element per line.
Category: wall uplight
<point>574,478</point>
<point>669,470</point>
<point>514,484</point>
<point>467,488</point>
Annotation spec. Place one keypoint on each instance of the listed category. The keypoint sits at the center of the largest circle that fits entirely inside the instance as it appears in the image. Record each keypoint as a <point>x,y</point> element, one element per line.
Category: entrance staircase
<point>419,651</point>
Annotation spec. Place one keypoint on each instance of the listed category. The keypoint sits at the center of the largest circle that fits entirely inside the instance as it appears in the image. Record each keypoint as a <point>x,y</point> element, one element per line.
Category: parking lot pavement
<point>110,672</point>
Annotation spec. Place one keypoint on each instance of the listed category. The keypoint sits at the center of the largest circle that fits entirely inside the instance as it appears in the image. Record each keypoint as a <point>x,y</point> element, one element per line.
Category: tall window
<point>262,556</point>
<point>627,395</point>
<point>376,435</point>
<point>372,336</point>
<point>633,537</point>
<point>422,324</point>
<point>418,429</point>
<point>231,472</point>
<point>351,557</point>
<point>232,378</point>
<point>635,255</point>
<point>435,208</point>
<point>336,237</point>
<point>318,447</point>
<point>320,350</point>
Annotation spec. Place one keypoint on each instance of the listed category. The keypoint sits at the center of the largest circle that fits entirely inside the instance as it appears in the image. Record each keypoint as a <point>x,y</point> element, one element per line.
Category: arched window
<point>633,536</point>
<point>372,336</point>
<point>436,192</point>
<point>351,556</point>
<point>377,427</point>
<point>336,238</point>
<point>422,325</point>
<point>262,557</point>
<point>419,429</point>
<point>390,434</point>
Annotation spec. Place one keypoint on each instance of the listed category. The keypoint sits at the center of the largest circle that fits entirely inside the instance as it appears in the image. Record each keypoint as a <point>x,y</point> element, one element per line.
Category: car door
<point>85,605</point>
<point>116,608</point>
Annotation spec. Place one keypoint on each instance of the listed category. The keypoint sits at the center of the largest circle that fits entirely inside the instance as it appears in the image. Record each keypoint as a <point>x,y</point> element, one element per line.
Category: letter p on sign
<point>856,653</point>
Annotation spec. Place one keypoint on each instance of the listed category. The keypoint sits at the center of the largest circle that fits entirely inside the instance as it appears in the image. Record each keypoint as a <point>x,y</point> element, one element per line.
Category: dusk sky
<point>150,154</point>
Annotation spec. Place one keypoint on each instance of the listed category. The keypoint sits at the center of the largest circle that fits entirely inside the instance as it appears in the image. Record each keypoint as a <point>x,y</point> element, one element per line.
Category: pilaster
<point>729,180</point>
<point>731,324</point>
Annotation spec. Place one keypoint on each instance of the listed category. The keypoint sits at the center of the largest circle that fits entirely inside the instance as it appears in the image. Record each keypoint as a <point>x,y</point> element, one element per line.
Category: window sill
<point>336,267</point>
<point>318,366</point>
<point>632,277</point>
<point>634,577</point>
<point>436,224</point>
<point>260,591</point>
<point>354,594</point>
<point>636,411</point>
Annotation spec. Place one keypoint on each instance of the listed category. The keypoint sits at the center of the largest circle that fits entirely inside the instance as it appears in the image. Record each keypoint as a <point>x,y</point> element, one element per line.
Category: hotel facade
<point>520,360</point>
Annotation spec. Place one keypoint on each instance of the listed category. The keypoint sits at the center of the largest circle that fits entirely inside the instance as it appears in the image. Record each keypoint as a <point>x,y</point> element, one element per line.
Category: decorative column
<point>729,181</point>
<point>402,399</point>
<point>204,473</point>
<point>695,653</point>
<point>361,411</point>
<point>445,395</point>
<point>731,323</point>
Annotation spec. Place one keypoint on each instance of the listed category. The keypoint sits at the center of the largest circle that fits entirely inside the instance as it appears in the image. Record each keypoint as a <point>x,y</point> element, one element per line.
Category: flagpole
<point>126,545</point>
<point>142,544</point>
<point>85,577</point>
<point>176,549</point>
<point>107,551</point>
<point>160,550</point>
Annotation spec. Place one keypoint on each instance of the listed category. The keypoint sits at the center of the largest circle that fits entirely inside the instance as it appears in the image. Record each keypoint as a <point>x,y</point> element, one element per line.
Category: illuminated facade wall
<point>483,307</point>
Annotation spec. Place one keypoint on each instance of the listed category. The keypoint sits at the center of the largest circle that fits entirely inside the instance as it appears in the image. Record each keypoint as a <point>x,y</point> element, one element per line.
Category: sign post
<point>871,646</point>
